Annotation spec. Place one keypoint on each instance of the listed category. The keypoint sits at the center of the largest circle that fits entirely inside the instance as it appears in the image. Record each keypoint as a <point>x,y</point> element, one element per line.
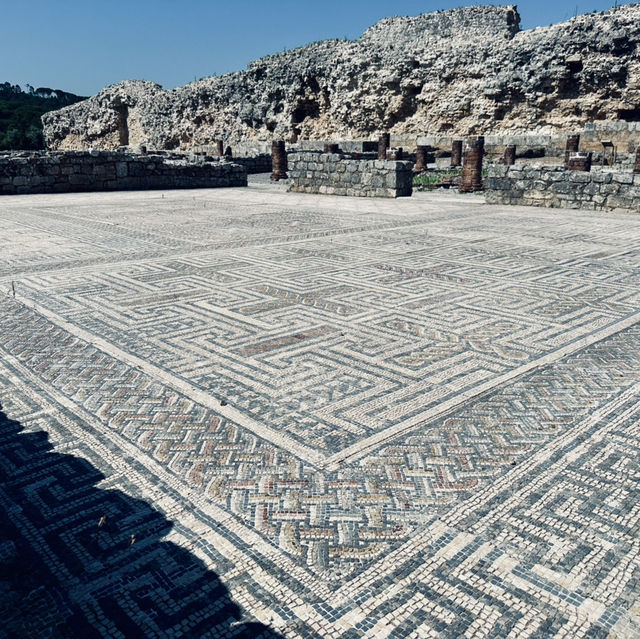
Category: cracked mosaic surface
<point>383,418</point>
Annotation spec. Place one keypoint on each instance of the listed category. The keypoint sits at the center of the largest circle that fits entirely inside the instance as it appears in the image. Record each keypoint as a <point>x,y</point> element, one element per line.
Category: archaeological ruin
<point>375,375</point>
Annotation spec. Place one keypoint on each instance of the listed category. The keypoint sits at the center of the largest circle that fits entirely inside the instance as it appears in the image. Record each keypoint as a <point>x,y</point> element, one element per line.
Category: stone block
<point>620,202</point>
<point>564,188</point>
<point>623,178</point>
<point>591,189</point>
<point>536,194</point>
<point>609,189</point>
<point>497,170</point>
<point>580,177</point>
<point>601,177</point>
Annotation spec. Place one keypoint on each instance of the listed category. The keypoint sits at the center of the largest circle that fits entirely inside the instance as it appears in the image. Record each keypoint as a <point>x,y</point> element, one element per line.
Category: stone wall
<point>553,186</point>
<point>254,161</point>
<point>334,174</point>
<point>63,172</point>
<point>346,146</point>
<point>624,135</point>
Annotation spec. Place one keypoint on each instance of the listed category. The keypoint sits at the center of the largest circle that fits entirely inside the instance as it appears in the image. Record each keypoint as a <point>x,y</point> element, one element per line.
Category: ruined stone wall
<point>334,174</point>
<point>255,163</point>
<point>468,71</point>
<point>555,187</point>
<point>624,135</point>
<point>253,160</point>
<point>63,172</point>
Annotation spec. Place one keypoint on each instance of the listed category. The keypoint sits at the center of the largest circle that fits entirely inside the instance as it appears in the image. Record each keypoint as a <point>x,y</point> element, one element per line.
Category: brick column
<point>636,166</point>
<point>384,142</point>
<point>510,154</point>
<point>573,144</point>
<point>579,162</point>
<point>472,166</point>
<point>421,159</point>
<point>279,160</point>
<point>332,148</point>
<point>219,148</point>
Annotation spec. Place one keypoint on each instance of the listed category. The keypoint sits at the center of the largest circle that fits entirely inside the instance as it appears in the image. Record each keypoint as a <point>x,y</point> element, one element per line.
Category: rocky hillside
<point>465,71</point>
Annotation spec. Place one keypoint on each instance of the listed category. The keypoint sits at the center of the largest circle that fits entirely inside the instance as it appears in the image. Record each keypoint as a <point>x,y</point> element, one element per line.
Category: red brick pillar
<point>472,166</point>
<point>510,154</point>
<point>579,162</point>
<point>279,160</point>
<point>573,144</point>
<point>636,166</point>
<point>421,159</point>
<point>456,153</point>
<point>384,142</point>
<point>219,148</point>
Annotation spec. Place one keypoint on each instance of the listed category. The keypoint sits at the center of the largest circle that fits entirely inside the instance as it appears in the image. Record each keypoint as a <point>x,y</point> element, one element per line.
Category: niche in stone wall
<point>122,122</point>
<point>305,108</point>
<point>630,114</point>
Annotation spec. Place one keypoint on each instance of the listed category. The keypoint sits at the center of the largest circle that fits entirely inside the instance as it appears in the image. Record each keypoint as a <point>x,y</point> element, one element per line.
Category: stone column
<point>636,166</point>
<point>279,160</point>
<point>456,153</point>
<point>579,162</point>
<point>384,142</point>
<point>421,159</point>
<point>219,148</point>
<point>331,148</point>
<point>573,144</point>
<point>472,166</point>
<point>510,154</point>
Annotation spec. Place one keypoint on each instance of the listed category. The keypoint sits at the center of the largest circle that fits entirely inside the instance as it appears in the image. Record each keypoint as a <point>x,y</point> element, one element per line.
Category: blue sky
<point>83,45</point>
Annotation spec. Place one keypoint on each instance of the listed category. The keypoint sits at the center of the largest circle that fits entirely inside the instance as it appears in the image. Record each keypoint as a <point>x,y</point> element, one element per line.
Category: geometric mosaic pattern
<point>400,418</point>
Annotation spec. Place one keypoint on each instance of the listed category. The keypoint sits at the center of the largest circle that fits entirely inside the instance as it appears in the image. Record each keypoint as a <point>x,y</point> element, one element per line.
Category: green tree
<point>21,112</point>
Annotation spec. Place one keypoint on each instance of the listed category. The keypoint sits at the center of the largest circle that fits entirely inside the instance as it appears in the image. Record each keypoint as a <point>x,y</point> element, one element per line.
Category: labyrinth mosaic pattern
<point>400,418</point>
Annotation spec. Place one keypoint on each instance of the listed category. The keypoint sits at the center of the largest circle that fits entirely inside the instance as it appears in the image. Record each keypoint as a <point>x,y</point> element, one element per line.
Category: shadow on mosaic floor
<point>79,561</point>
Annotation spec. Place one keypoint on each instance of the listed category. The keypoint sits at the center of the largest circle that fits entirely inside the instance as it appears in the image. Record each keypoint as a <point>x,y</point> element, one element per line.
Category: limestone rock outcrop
<point>461,72</point>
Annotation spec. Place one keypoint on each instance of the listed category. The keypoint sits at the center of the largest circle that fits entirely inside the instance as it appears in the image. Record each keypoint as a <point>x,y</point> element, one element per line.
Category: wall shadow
<point>80,561</point>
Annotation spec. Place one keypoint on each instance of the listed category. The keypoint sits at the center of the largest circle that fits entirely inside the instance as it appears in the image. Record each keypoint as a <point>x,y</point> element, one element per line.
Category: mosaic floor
<point>248,413</point>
